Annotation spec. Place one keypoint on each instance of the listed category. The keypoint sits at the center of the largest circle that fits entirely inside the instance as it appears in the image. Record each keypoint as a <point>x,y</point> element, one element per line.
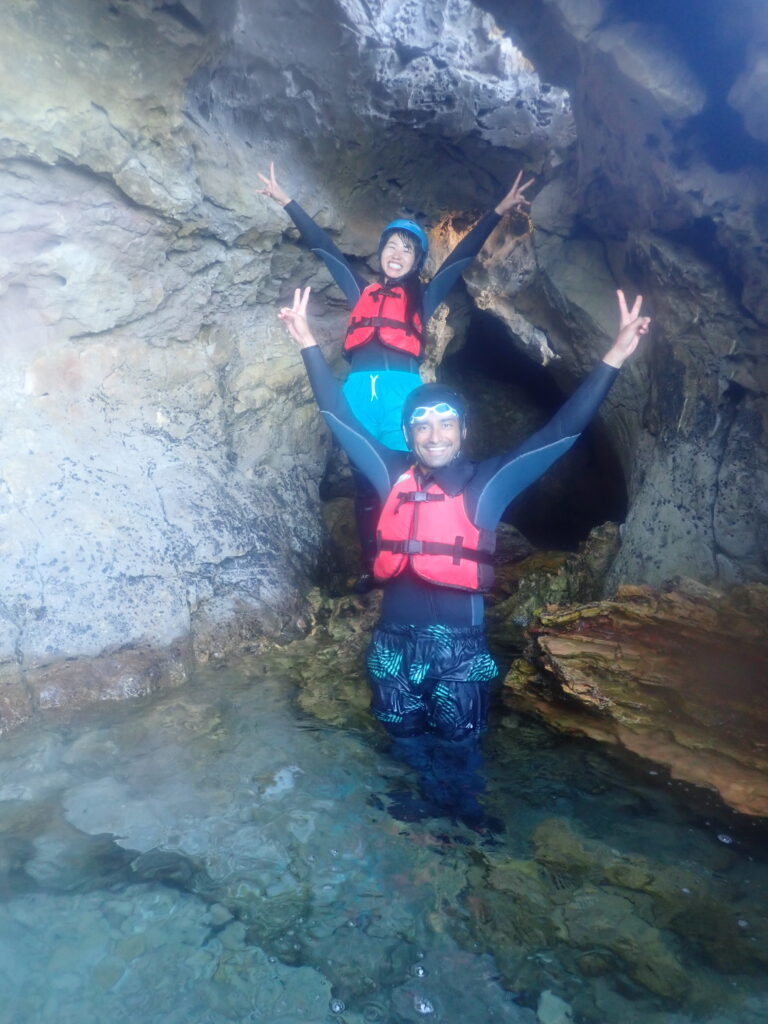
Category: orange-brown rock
<point>679,677</point>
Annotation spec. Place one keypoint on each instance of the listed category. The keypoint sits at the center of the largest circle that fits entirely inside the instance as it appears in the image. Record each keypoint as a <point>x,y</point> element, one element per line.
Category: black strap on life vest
<point>416,496</point>
<point>435,547</point>
<point>379,321</point>
<point>384,292</point>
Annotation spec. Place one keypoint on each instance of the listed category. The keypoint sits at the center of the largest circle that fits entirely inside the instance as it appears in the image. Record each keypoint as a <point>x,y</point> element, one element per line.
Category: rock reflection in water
<point>214,854</point>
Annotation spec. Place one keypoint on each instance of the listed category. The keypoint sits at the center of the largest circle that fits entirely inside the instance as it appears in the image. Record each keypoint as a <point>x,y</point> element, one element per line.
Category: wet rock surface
<point>675,676</point>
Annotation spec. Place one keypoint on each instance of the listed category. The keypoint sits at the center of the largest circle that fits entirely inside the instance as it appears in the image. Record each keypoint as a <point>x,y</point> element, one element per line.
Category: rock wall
<point>160,455</point>
<point>159,460</point>
<point>665,194</point>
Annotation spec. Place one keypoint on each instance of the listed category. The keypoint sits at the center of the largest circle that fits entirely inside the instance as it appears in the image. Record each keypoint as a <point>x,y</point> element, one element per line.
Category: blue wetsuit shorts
<point>376,398</point>
<point>430,679</point>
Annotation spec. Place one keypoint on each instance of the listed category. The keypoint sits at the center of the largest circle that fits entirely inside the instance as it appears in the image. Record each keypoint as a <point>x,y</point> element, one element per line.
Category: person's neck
<point>426,470</point>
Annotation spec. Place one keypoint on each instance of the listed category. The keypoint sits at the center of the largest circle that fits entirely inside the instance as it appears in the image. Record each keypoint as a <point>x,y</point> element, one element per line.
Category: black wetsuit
<point>488,486</point>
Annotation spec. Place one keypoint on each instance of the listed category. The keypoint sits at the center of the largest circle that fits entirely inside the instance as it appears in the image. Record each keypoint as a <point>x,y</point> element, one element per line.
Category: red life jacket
<point>431,531</point>
<point>381,313</point>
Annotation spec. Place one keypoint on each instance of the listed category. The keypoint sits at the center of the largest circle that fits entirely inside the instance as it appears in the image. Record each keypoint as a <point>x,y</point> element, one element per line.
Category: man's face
<point>398,255</point>
<point>436,437</point>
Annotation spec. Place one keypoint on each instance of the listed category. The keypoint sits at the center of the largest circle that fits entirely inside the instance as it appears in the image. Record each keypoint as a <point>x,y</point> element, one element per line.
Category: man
<point>384,340</point>
<point>428,661</point>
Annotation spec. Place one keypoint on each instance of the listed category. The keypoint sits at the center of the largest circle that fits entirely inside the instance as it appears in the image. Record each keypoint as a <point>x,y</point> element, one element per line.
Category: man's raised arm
<point>379,464</point>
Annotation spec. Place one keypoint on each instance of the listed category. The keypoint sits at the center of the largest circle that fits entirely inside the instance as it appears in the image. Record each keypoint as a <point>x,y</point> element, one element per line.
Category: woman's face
<point>398,255</point>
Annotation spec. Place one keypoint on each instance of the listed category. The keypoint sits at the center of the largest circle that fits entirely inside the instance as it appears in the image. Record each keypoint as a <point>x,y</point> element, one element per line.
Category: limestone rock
<point>160,456</point>
<point>666,199</point>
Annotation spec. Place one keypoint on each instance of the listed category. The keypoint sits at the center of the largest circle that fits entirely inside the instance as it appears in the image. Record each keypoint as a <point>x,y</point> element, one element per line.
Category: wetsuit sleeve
<point>381,465</point>
<point>319,241</point>
<point>458,261</point>
<point>499,480</point>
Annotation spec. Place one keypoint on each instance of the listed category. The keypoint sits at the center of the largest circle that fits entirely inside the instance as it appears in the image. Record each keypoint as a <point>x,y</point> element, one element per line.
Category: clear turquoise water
<point>212,855</point>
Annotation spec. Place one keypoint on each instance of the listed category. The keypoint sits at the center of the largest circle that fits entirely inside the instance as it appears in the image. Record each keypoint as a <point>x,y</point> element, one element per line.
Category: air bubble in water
<point>422,1005</point>
<point>336,1006</point>
<point>373,1013</point>
<point>725,838</point>
<point>419,971</point>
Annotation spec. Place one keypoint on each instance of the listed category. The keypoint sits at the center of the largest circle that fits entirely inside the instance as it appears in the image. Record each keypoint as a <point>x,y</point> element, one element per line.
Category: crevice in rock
<point>510,397</point>
<point>700,237</point>
<point>178,12</point>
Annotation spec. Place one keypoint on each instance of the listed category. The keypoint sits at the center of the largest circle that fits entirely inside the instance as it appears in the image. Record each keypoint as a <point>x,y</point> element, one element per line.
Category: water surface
<point>214,854</point>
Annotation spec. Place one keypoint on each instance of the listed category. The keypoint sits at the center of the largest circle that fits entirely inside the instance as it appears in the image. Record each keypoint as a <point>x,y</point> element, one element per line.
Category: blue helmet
<point>411,228</point>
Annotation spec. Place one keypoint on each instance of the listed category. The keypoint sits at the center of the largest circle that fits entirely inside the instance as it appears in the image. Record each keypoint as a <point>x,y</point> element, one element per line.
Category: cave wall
<point>160,455</point>
<point>666,194</point>
<point>159,460</point>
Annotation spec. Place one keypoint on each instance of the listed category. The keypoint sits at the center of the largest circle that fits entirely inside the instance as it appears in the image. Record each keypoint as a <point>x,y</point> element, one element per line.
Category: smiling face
<point>436,437</point>
<point>398,255</point>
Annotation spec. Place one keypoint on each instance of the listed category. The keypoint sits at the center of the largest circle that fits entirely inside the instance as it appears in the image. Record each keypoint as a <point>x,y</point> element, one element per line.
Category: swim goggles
<point>442,409</point>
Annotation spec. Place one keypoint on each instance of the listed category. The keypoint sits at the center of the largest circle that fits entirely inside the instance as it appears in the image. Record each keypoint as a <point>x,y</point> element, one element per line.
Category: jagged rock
<point>596,918</point>
<point>699,908</point>
<point>549,578</point>
<point>329,663</point>
<point>673,676</point>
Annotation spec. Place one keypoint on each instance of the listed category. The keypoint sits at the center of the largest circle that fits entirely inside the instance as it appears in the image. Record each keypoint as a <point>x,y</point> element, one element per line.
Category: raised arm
<point>271,187</point>
<point>500,480</point>
<point>515,199</point>
<point>468,248</point>
<point>378,463</point>
<point>632,327</point>
<point>315,238</point>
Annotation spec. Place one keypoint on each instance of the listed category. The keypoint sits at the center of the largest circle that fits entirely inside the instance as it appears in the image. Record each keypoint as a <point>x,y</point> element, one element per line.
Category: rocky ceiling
<point>159,458</point>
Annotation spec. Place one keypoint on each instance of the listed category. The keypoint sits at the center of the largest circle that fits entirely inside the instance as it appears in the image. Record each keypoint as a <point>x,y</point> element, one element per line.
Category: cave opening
<point>510,396</point>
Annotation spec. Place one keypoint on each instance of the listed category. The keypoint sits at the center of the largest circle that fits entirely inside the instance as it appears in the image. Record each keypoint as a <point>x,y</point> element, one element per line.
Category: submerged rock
<point>699,907</point>
<point>600,913</point>
<point>674,676</point>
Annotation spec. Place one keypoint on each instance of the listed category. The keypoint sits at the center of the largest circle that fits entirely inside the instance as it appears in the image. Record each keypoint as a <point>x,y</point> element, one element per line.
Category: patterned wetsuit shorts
<point>430,679</point>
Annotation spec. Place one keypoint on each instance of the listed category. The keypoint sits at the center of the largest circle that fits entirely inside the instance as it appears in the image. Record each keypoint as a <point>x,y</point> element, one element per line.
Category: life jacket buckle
<point>412,547</point>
